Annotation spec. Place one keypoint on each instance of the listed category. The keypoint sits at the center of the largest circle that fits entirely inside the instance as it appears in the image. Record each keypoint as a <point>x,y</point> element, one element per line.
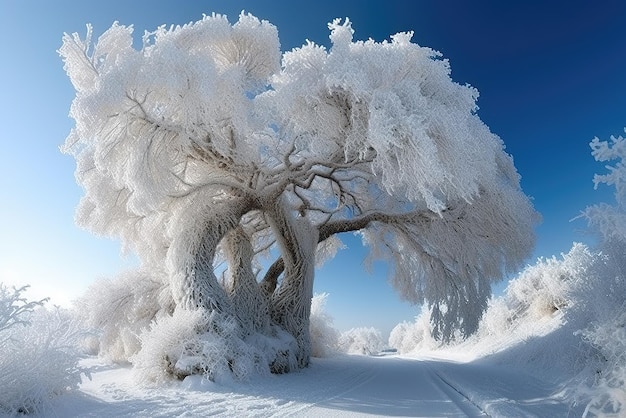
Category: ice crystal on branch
<point>609,220</point>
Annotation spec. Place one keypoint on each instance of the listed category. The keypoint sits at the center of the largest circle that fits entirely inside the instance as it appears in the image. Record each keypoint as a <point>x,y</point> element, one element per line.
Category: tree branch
<point>270,280</point>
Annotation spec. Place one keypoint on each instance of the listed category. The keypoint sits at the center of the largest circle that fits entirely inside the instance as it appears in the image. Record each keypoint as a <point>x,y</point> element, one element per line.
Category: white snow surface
<point>340,386</point>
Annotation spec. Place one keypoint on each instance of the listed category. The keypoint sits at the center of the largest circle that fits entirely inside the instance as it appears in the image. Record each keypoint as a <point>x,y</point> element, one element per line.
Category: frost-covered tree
<point>607,331</point>
<point>208,145</point>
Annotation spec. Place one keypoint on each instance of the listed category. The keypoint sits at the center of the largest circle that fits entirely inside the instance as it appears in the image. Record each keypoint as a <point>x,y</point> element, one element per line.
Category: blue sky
<point>550,74</point>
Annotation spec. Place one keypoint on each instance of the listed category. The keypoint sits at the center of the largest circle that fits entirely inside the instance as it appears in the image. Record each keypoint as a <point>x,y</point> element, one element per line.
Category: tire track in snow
<point>458,397</point>
<point>350,381</point>
<point>394,387</point>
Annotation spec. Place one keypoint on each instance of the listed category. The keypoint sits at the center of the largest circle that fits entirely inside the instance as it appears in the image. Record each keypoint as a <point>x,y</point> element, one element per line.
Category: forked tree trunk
<point>194,284</point>
<point>291,303</point>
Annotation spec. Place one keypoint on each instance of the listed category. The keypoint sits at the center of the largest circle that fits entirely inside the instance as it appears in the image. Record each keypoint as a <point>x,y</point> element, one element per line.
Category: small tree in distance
<point>208,145</point>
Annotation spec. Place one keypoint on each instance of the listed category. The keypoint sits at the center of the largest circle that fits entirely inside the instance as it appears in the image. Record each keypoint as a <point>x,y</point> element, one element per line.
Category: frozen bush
<point>407,337</point>
<point>361,340</point>
<point>212,345</point>
<point>117,310</point>
<point>569,315</point>
<point>542,308</point>
<point>610,220</point>
<point>605,331</point>
<point>324,337</point>
<point>39,356</point>
<point>497,319</point>
<point>171,344</point>
<point>544,289</point>
<point>608,396</point>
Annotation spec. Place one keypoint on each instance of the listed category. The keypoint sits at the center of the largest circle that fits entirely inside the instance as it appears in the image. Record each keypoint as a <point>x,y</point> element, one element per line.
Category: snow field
<point>341,386</point>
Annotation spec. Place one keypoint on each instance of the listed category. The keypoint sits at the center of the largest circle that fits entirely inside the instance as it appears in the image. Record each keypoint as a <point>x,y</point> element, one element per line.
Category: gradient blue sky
<point>550,74</point>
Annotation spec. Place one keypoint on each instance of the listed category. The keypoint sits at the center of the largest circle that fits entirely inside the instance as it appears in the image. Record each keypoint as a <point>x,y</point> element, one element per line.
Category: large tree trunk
<point>291,302</point>
<point>190,257</point>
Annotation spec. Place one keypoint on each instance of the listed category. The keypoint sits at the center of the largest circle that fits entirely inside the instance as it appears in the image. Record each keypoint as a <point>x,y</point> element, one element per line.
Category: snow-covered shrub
<point>133,320</point>
<point>192,342</point>
<point>532,304</point>
<point>117,310</point>
<point>497,319</point>
<point>324,337</point>
<point>38,353</point>
<point>172,345</point>
<point>540,292</point>
<point>608,396</point>
<point>605,331</point>
<point>361,340</point>
<point>414,336</point>
<point>537,317</point>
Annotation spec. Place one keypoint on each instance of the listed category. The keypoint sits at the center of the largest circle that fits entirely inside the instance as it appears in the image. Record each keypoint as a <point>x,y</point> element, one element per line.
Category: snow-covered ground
<point>552,345</point>
<point>340,386</point>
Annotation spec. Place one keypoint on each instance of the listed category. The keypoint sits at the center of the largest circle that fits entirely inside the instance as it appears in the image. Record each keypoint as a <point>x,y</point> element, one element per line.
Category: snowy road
<point>394,387</point>
<point>337,387</point>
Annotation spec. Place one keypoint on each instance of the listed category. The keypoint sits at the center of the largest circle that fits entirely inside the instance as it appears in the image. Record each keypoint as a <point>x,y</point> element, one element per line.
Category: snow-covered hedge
<point>39,353</point>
